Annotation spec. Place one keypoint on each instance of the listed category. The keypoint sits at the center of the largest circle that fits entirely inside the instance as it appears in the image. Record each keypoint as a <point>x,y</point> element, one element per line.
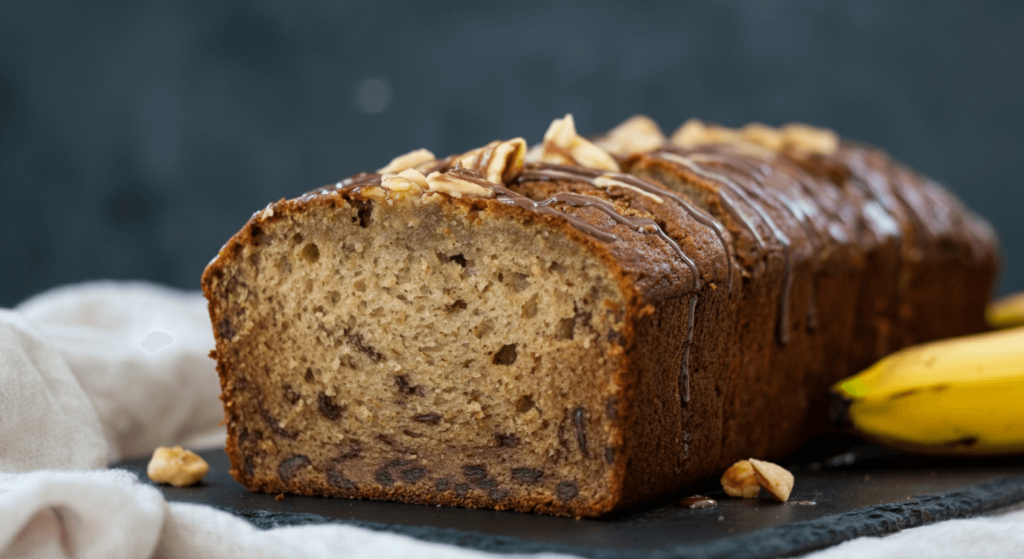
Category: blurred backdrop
<point>137,136</point>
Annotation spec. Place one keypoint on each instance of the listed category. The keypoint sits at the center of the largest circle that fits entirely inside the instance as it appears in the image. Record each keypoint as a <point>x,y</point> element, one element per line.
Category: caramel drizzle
<point>726,199</point>
<point>910,193</point>
<point>353,184</point>
<point>505,195</point>
<point>556,172</point>
<point>803,179</point>
<point>698,215</point>
<point>639,224</point>
<point>762,175</point>
<point>874,183</point>
<point>797,177</point>
<point>782,327</point>
<point>553,171</point>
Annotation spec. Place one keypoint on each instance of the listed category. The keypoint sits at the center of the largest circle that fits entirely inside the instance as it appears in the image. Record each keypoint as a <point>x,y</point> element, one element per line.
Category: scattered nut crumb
<point>176,466</point>
<point>776,479</point>
<point>739,481</point>
<point>279,497</point>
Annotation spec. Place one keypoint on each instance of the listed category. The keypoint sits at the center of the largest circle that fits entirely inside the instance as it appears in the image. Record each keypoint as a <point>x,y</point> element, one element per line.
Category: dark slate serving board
<point>857,489</point>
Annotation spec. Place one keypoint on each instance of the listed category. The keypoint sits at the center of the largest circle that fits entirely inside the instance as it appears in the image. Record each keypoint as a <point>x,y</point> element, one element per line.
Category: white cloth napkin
<point>995,537</point>
<point>106,370</point>
<point>140,353</point>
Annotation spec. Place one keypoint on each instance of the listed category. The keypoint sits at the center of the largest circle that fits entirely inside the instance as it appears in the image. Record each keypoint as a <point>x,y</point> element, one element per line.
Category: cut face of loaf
<point>435,349</point>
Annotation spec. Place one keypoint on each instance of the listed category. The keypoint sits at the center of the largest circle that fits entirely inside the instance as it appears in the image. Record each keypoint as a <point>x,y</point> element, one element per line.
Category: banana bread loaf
<point>580,326</point>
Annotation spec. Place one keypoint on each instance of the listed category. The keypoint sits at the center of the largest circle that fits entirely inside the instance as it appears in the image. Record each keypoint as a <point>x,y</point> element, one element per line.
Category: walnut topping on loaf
<point>637,134</point>
<point>474,173</point>
<point>457,184</point>
<point>796,137</point>
<point>411,160</point>
<point>498,162</point>
<point>562,145</point>
<point>576,333</point>
<point>409,180</point>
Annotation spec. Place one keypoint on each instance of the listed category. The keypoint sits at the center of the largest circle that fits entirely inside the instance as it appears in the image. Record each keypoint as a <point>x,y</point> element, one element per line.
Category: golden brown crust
<point>865,236</point>
<point>813,265</point>
<point>630,260</point>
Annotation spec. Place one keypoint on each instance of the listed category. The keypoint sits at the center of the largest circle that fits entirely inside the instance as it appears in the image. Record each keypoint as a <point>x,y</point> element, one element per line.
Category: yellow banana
<point>956,396</point>
<point>1006,312</point>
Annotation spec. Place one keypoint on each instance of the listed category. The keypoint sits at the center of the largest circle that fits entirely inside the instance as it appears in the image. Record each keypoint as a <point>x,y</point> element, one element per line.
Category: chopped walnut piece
<point>776,479</point>
<point>176,466</point>
<point>498,162</point>
<point>695,133</point>
<point>797,138</point>
<point>764,135</point>
<point>407,180</point>
<point>809,139</point>
<point>637,134</point>
<point>456,186</point>
<point>562,145</point>
<point>409,160</point>
<point>739,481</point>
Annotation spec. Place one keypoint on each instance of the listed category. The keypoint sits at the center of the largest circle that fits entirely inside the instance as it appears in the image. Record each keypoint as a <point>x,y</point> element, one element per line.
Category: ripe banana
<point>1006,312</point>
<point>956,396</point>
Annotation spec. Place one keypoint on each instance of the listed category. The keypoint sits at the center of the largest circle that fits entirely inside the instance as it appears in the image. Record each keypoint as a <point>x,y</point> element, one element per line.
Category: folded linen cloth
<point>105,370</point>
<point>140,353</point>
<point>995,537</point>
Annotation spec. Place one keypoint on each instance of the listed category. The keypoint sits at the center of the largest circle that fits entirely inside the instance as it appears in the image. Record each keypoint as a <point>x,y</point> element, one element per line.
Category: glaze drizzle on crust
<point>746,195</point>
<point>559,335</point>
<point>357,183</point>
<point>548,172</point>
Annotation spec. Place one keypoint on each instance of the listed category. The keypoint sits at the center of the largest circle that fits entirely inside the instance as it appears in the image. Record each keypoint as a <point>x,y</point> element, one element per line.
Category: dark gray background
<point>136,137</point>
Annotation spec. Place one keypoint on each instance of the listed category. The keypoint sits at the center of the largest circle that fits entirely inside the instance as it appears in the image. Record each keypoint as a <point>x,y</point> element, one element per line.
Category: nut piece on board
<point>776,479</point>
<point>739,481</point>
<point>176,466</point>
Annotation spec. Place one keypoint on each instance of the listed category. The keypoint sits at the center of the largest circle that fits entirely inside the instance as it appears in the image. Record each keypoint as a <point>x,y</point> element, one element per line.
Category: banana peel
<point>1007,312</point>
<point>959,396</point>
